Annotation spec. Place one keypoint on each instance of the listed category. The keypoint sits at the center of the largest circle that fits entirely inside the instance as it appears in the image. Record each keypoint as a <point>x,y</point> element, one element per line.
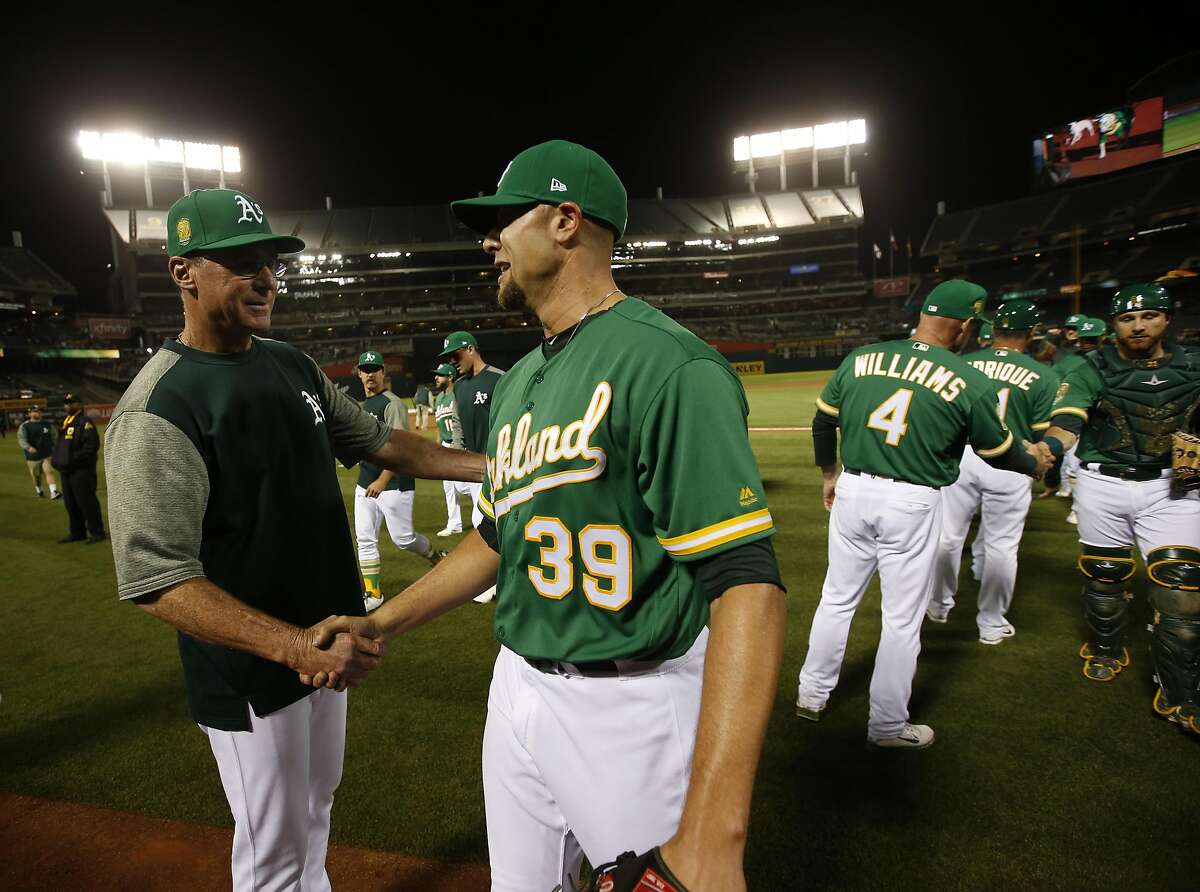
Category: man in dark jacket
<point>75,456</point>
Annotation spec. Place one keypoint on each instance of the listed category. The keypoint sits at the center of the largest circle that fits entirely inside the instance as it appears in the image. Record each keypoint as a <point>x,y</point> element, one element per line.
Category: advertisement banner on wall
<point>109,329</point>
<point>750,368</point>
<point>895,287</point>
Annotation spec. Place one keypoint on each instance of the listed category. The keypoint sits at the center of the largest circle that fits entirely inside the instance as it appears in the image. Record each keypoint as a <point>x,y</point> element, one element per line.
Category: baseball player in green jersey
<point>640,613</point>
<point>985,335</point>
<point>228,523</point>
<point>473,390</point>
<point>1025,393</point>
<point>381,495</point>
<point>1069,346</point>
<point>36,439</point>
<point>1122,407</point>
<point>905,409</point>
<point>450,435</point>
<point>1091,332</point>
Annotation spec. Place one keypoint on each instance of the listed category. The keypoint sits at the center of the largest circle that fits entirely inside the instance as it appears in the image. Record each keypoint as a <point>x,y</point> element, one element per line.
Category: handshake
<point>1041,455</point>
<point>337,653</point>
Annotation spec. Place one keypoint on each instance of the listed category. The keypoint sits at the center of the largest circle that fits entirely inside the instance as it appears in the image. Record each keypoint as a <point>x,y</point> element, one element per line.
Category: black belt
<point>1127,472</point>
<point>854,473</point>
<point>596,669</point>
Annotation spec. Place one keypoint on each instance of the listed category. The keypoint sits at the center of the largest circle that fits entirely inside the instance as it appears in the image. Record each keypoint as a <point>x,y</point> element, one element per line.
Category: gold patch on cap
<point>183,230</point>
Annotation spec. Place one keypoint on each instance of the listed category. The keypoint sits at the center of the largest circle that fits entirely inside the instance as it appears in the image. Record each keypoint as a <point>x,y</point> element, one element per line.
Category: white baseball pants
<point>892,527</point>
<point>279,779</point>
<point>575,765</point>
<point>1118,513</point>
<point>453,489</point>
<point>1004,498</point>
<point>1070,464</point>
<point>393,506</point>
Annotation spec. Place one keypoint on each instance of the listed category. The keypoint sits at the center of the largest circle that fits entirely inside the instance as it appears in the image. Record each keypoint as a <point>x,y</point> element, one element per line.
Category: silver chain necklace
<point>575,327</point>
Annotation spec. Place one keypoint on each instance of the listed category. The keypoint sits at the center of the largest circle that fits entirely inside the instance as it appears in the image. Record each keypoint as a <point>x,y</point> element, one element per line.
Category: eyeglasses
<point>246,266</point>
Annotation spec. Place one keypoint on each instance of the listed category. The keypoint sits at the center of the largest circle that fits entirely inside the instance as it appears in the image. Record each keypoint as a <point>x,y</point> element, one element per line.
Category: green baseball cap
<point>372,359</point>
<point>1075,320</point>
<point>446,370</point>
<point>1017,315</point>
<point>457,340</point>
<point>1091,327</point>
<point>955,299</point>
<point>221,218</point>
<point>985,331</point>
<point>552,172</point>
<point>1146,296</point>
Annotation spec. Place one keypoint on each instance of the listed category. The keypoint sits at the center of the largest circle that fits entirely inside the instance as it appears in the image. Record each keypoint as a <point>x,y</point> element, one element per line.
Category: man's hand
<point>376,488</point>
<point>31,450</point>
<point>361,629</point>
<point>1041,454</point>
<point>343,660</point>
<point>829,478</point>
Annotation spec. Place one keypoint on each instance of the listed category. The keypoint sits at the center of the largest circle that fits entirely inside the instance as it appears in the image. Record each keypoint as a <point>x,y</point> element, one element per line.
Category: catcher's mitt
<point>635,873</point>
<point>1185,462</point>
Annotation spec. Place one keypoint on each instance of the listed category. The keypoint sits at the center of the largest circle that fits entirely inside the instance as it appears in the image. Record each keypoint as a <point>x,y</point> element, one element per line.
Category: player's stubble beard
<point>510,295</point>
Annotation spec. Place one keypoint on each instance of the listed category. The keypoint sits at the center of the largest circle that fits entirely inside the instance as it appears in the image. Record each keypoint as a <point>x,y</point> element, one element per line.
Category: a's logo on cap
<point>557,185</point>
<point>183,230</point>
<point>445,343</point>
<point>978,306</point>
<point>251,212</point>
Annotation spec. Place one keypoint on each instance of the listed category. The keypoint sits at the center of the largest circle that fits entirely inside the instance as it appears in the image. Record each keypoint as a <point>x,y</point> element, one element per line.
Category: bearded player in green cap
<point>1025,391</point>
<point>228,523</point>
<point>905,410</point>
<point>380,495</point>
<point>1122,407</point>
<point>640,612</point>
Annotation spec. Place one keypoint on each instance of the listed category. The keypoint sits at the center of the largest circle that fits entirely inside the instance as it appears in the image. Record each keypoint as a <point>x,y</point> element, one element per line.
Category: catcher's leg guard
<point>1175,572</point>
<point>1105,603</point>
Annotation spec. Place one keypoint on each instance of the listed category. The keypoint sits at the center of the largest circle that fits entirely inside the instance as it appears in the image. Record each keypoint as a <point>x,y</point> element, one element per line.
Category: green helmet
<point>1017,315</point>
<point>1147,296</point>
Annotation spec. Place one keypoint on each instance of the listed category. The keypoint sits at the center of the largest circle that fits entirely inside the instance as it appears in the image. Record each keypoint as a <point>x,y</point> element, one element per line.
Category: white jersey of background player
<point>1025,391</point>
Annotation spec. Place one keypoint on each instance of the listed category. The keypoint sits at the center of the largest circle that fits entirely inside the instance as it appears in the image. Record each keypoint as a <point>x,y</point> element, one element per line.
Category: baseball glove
<point>1185,462</point>
<point>635,873</point>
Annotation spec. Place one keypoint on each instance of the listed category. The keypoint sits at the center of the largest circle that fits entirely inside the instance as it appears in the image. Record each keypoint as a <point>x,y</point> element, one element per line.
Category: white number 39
<point>607,553</point>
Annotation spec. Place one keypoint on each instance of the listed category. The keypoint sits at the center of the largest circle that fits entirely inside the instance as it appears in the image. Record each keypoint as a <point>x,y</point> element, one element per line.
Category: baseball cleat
<point>370,603</point>
<point>447,531</point>
<point>1072,517</point>
<point>56,495</point>
<point>1185,716</point>
<point>805,711</point>
<point>1102,668</point>
<point>485,596</point>
<point>436,556</point>
<point>1064,492</point>
<point>997,636</point>
<point>913,737</point>
<point>937,616</point>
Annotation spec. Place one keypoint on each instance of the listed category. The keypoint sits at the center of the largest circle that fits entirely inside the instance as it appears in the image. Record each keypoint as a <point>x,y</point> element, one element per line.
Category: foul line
<point>770,429</point>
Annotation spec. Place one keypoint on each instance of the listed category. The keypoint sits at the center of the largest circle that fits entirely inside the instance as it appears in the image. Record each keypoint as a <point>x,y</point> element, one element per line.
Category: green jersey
<point>473,397</point>
<point>446,413</point>
<point>613,464</point>
<point>907,409</point>
<point>391,411</point>
<point>36,435</point>
<point>1024,389</point>
<point>1131,408</point>
<point>222,465</point>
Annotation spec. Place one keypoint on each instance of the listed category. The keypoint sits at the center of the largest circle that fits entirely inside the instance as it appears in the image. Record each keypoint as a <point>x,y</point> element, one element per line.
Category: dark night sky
<point>379,108</point>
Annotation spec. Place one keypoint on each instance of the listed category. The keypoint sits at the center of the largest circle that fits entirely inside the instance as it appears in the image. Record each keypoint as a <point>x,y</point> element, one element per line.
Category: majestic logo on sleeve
<point>318,412</point>
<point>521,453</point>
<point>746,497</point>
<point>251,212</point>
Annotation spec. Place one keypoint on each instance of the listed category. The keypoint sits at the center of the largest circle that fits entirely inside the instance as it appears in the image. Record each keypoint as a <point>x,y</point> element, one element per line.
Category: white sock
<point>53,489</point>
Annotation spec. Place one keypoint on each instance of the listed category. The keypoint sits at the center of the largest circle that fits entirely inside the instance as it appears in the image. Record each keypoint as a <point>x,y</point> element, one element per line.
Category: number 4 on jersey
<point>890,416</point>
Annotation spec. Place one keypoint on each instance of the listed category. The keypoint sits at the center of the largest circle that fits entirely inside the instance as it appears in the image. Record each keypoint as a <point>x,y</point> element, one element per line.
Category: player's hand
<point>326,632</point>
<point>829,479</point>
<point>374,489</point>
<point>1041,454</point>
<point>31,450</point>
<point>342,660</point>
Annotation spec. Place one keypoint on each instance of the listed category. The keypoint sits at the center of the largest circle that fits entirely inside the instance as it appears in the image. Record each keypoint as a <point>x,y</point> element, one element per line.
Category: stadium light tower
<point>171,158</point>
<point>800,144</point>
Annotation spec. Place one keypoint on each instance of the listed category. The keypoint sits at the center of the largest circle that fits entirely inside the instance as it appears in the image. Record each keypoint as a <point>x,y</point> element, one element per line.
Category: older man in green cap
<point>640,612</point>
<point>905,409</point>
<point>1122,406</point>
<point>228,523</point>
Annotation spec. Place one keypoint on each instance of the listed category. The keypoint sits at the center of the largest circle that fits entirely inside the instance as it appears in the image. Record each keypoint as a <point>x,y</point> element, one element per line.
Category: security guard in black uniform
<point>75,456</point>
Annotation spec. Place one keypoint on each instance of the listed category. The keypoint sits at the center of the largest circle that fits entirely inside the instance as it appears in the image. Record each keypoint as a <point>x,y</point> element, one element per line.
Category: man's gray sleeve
<point>355,433</point>
<point>157,495</point>
<point>22,440</point>
<point>456,431</point>
<point>395,415</point>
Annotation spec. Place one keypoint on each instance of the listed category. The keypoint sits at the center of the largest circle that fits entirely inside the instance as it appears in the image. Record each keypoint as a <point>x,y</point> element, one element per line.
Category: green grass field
<point>1038,778</point>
